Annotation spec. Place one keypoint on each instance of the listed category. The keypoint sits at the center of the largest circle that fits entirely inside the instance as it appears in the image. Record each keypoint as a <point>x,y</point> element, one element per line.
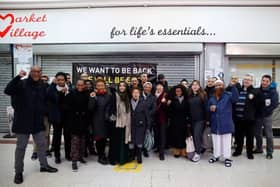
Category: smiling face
<point>247,81</point>
<point>265,82</point>
<point>36,73</point>
<point>195,86</point>
<point>135,94</point>
<point>80,85</point>
<point>178,92</point>
<point>122,87</point>
<point>60,80</point>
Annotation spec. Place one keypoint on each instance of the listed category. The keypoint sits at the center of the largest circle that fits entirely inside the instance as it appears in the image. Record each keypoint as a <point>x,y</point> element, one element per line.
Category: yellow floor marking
<point>131,167</point>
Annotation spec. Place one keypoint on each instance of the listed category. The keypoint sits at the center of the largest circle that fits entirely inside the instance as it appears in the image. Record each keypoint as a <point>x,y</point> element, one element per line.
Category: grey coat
<point>97,106</point>
<point>140,121</point>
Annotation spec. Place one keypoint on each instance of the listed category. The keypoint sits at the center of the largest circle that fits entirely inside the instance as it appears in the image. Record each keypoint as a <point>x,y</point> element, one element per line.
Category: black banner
<point>113,73</point>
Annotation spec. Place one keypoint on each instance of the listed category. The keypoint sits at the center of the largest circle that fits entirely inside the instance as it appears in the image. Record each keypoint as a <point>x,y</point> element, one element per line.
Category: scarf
<point>123,118</point>
<point>58,88</point>
<point>134,103</point>
<point>180,99</point>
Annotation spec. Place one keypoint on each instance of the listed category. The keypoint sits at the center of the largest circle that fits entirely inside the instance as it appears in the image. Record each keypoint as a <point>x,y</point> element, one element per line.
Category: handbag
<point>149,141</point>
<point>190,147</point>
<point>207,138</point>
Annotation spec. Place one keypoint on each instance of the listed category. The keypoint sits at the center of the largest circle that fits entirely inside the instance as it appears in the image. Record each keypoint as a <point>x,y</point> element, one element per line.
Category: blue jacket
<point>221,119</point>
<point>29,100</point>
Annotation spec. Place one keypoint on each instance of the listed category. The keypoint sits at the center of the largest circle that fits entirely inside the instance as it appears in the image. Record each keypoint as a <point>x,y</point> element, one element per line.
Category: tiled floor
<point>171,172</point>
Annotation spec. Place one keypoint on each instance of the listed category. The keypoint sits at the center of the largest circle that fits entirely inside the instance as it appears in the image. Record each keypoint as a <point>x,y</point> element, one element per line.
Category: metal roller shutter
<point>5,77</point>
<point>173,67</point>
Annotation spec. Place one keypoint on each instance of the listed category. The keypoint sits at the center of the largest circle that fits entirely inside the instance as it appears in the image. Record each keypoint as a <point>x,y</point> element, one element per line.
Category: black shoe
<point>131,155</point>
<point>203,150</point>
<point>139,156</point>
<point>51,149</point>
<point>34,156</point>
<point>74,166</point>
<point>68,158</point>
<point>86,154</point>
<point>257,151</point>
<point>48,169</point>
<point>145,153</point>
<point>156,150</point>
<point>235,154</point>
<point>82,161</point>
<point>57,160</point>
<point>18,178</point>
<point>48,154</point>
<point>103,160</point>
<point>250,156</point>
<point>176,156</point>
<point>161,156</point>
<point>113,163</point>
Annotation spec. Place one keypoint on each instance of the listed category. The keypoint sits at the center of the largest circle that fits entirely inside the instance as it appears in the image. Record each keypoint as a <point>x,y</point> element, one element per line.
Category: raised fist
<point>22,73</point>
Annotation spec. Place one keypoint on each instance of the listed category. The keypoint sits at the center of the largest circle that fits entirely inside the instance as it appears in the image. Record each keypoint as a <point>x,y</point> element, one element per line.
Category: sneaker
<point>18,178</point>
<point>196,158</point>
<point>74,166</point>
<point>269,156</point>
<point>34,156</point>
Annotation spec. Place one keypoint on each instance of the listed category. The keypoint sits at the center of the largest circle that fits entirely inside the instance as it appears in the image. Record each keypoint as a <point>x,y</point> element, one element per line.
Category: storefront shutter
<point>5,77</point>
<point>174,68</point>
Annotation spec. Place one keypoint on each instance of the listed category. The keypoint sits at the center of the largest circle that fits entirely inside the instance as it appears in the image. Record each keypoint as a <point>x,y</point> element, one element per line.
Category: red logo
<point>9,26</point>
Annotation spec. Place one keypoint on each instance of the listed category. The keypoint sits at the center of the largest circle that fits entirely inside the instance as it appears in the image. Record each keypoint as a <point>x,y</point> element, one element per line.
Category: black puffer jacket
<point>29,100</point>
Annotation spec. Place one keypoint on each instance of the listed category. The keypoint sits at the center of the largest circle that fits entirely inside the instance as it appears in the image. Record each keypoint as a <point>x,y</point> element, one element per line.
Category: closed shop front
<point>5,77</point>
<point>173,67</point>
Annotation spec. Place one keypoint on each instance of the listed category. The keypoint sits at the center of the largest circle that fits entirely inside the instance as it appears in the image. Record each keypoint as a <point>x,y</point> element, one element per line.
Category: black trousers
<point>244,128</point>
<point>100,146</point>
<point>58,127</point>
<point>160,136</point>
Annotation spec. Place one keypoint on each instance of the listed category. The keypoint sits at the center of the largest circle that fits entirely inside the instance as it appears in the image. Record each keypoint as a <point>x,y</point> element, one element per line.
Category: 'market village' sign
<point>141,24</point>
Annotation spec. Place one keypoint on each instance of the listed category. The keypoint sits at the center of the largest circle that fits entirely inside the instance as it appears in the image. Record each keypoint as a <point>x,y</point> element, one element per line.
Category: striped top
<point>240,105</point>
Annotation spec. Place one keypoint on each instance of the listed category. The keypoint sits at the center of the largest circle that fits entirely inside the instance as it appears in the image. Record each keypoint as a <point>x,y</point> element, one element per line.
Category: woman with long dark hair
<point>197,101</point>
<point>178,113</point>
<point>119,115</point>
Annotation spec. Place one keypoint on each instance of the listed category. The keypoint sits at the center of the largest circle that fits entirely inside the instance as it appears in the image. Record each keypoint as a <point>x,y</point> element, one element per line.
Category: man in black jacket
<point>29,101</point>
<point>245,112</point>
<point>265,118</point>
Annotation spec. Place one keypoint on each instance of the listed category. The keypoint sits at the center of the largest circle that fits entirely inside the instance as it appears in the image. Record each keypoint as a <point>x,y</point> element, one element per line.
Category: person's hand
<point>54,80</point>
<point>92,94</point>
<point>213,108</point>
<point>168,102</point>
<point>163,100</point>
<point>22,73</point>
<point>64,90</point>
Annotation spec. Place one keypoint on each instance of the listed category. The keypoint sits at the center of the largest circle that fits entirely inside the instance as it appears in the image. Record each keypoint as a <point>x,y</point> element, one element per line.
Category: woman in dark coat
<point>197,102</point>
<point>77,101</point>
<point>178,112</point>
<point>140,122</point>
<point>161,119</point>
<point>120,133</point>
<point>98,102</point>
<point>150,100</point>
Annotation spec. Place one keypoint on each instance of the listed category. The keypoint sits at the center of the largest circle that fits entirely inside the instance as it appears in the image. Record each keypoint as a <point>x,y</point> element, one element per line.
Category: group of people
<point>92,115</point>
